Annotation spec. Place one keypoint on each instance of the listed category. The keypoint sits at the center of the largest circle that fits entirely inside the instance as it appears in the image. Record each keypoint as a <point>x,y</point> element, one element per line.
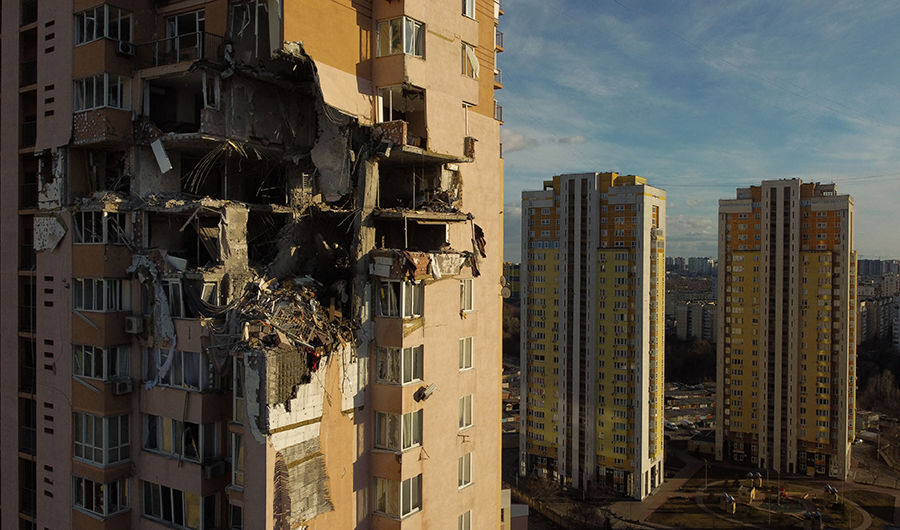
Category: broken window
<point>400,366</point>
<point>470,67</point>
<point>465,353</point>
<point>187,371</point>
<point>172,288</point>
<point>95,362</point>
<point>396,432</point>
<point>400,299</point>
<point>466,295</point>
<point>238,374</point>
<point>102,21</point>
<point>396,498</point>
<point>182,439</point>
<point>403,103</point>
<point>237,460</point>
<point>211,89</point>
<point>465,412</point>
<point>101,227</point>
<point>101,294</point>
<point>99,498</point>
<point>401,35</point>
<point>184,35</point>
<point>103,90</point>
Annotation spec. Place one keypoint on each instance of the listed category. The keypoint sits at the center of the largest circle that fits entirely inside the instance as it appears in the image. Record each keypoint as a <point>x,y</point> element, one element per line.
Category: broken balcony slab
<point>392,154</point>
<point>422,217</point>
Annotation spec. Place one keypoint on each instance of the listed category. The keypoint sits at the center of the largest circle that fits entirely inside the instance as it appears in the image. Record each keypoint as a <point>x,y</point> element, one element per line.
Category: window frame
<point>154,506</point>
<point>236,454</point>
<point>175,377</point>
<point>122,355</point>
<point>399,366</point>
<point>411,37</point>
<point>104,32</point>
<point>466,348</point>
<point>94,227</point>
<point>464,471</point>
<point>465,412</point>
<point>470,66</point>
<point>465,520</point>
<point>408,496</point>
<point>80,499</point>
<point>84,433</point>
<point>168,443</point>
<point>120,100</point>
<point>400,299</point>
<point>114,298</point>
<point>467,295</point>
<point>468,8</point>
<point>405,439</point>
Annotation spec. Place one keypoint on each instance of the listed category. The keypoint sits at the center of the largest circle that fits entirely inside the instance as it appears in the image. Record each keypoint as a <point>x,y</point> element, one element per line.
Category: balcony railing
<point>498,77</point>
<point>28,74</point>
<point>29,134</point>
<point>498,112</point>
<point>498,38</point>
<point>188,47</point>
<point>29,12</point>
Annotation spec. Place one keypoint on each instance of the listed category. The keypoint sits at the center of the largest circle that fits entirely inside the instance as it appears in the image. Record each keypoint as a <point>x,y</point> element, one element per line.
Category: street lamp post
<point>779,486</point>
<point>705,475</point>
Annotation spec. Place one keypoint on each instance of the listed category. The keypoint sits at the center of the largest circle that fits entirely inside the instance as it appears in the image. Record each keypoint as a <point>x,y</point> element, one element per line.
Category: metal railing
<point>498,112</point>
<point>498,38</point>
<point>188,47</point>
<point>28,73</point>
<point>498,77</point>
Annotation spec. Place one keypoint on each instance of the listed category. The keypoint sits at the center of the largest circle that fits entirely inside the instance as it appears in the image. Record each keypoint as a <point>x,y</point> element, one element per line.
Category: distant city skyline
<point>701,98</point>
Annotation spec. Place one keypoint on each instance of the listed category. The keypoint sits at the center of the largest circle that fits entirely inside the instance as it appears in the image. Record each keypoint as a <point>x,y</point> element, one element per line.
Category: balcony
<point>498,112</point>
<point>28,133</point>
<point>498,78</point>
<point>28,73</point>
<point>174,50</point>
<point>498,39</point>
<point>29,12</point>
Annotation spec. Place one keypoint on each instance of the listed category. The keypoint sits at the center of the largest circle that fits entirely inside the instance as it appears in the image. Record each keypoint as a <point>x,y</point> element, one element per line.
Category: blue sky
<point>702,98</point>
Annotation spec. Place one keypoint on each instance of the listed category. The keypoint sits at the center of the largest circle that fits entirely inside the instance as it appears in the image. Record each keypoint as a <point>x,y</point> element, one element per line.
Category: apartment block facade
<point>593,288</point>
<point>252,267</point>
<point>786,380</point>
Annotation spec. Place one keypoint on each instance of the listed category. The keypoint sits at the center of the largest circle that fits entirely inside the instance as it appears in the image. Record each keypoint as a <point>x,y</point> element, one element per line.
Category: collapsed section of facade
<point>277,300</point>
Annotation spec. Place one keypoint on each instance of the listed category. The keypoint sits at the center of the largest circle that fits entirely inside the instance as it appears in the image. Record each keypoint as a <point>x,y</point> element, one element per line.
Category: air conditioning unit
<point>215,469</point>
<point>125,48</point>
<point>122,386</point>
<point>134,325</point>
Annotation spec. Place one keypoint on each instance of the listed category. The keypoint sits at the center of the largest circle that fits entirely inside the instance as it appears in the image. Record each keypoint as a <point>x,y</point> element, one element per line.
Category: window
<point>398,499</point>
<point>100,227</point>
<point>101,441</point>
<point>184,35</point>
<point>465,353</point>
<point>238,374</point>
<point>468,8</point>
<point>396,299</point>
<point>466,295</point>
<point>465,470</point>
<point>470,67</point>
<point>103,21</point>
<point>235,517</point>
<point>174,294</point>
<point>465,520</point>
<point>465,412</point>
<point>182,439</point>
<point>94,362</point>
<point>100,294</point>
<point>176,507</point>
<point>399,366</point>
<point>236,452</point>
<point>101,499</point>
<point>401,35</point>
<point>103,90</point>
<point>396,432</point>
<point>186,370</point>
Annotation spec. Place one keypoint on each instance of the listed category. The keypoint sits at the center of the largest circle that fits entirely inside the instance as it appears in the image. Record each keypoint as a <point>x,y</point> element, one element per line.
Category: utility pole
<point>705,475</point>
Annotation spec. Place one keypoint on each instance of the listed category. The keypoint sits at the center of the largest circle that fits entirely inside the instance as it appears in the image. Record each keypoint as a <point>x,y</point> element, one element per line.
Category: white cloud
<point>514,141</point>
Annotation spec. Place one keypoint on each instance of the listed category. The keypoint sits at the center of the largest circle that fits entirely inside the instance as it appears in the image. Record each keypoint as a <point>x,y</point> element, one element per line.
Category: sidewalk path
<point>640,511</point>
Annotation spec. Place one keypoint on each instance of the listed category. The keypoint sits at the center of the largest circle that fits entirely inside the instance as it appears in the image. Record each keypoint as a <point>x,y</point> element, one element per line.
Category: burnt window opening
<point>249,31</point>
<point>407,234</point>
<point>403,104</point>
<point>409,187</point>
<point>197,243</point>
<point>238,174</point>
<point>263,236</point>
<point>174,104</point>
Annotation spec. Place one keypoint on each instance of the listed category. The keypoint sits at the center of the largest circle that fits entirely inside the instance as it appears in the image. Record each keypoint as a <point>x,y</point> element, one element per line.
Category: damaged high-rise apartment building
<point>251,264</point>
